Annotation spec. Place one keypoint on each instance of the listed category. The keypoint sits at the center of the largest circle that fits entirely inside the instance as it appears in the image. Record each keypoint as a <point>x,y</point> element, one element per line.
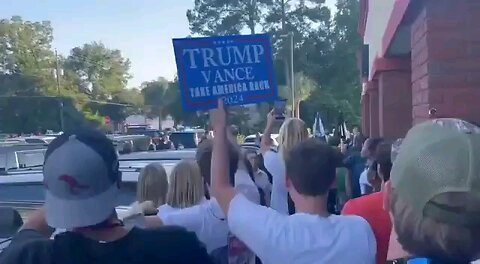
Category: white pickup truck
<point>23,190</point>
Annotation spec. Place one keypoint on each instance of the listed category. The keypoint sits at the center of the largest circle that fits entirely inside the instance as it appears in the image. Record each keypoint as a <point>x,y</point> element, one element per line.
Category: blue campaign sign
<point>238,68</point>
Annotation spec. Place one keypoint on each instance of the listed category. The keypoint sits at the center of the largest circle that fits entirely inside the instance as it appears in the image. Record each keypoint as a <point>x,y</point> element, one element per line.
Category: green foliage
<point>225,17</point>
<point>175,109</point>
<point>28,68</point>
<point>154,95</point>
<point>35,114</point>
<point>26,59</point>
<point>326,77</point>
<point>340,83</point>
<point>99,71</point>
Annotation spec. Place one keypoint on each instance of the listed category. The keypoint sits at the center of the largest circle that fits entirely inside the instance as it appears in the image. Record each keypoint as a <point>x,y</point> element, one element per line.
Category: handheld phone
<point>279,108</point>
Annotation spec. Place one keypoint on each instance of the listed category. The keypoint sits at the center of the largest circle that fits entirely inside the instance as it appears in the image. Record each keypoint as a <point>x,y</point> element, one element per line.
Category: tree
<point>100,72</point>
<point>174,107</point>
<point>24,114</point>
<point>155,98</point>
<point>224,17</point>
<point>329,58</point>
<point>124,103</point>
<point>346,81</point>
<point>298,17</point>
<point>26,58</point>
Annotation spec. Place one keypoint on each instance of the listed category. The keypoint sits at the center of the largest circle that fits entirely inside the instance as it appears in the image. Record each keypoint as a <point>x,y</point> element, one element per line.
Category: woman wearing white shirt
<point>292,131</point>
<point>186,188</point>
<point>152,187</point>
<point>152,184</point>
<point>260,177</point>
<point>369,150</point>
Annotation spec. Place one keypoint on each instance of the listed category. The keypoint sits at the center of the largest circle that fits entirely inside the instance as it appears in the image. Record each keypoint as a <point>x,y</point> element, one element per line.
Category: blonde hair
<point>292,132</point>
<point>152,184</point>
<point>186,185</point>
<point>424,236</point>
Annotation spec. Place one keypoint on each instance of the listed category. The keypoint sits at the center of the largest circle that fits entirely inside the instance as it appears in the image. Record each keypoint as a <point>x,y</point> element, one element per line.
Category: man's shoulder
<point>171,242</point>
<point>165,233</point>
<point>363,205</point>
<point>189,212</point>
<point>350,222</point>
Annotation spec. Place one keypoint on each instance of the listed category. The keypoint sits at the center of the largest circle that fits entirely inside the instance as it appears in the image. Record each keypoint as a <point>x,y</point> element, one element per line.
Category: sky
<point>141,29</point>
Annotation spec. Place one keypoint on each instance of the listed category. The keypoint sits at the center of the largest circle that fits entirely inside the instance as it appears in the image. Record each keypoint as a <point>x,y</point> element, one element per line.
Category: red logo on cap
<point>75,186</point>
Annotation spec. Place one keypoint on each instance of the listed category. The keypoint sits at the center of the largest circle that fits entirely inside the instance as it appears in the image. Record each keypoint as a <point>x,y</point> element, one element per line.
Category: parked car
<point>24,190</point>
<point>253,138</point>
<point>42,140</point>
<point>187,139</point>
<point>130,143</point>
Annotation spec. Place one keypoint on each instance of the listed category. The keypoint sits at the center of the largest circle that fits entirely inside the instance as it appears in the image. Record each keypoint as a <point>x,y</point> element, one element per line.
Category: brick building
<point>422,55</point>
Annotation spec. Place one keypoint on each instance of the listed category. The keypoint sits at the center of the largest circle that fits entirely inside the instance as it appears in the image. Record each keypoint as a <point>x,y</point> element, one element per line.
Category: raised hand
<point>271,118</point>
<point>218,116</point>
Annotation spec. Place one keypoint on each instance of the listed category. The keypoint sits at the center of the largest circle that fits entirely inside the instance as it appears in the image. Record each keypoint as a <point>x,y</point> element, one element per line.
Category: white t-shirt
<point>245,185</point>
<point>275,164</point>
<point>301,238</point>
<point>363,181</point>
<point>164,210</point>
<point>206,220</point>
<point>262,182</point>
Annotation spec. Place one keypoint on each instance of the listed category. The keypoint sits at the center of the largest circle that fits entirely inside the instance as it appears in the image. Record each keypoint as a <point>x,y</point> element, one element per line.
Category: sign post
<point>236,68</point>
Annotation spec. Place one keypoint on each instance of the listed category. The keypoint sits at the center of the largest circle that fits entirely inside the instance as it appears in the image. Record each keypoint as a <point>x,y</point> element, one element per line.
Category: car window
<point>187,139</point>
<point>30,159</point>
<point>34,141</point>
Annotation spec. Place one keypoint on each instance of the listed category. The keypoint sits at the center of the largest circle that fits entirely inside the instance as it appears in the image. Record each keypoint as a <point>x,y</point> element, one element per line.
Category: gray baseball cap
<point>82,179</point>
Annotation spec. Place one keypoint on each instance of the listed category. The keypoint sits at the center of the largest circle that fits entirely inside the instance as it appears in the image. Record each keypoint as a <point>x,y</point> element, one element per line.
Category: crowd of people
<point>365,201</point>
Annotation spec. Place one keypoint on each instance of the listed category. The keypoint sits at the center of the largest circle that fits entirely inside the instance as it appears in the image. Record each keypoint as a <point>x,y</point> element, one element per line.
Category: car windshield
<point>34,141</point>
<point>186,139</point>
<point>30,159</point>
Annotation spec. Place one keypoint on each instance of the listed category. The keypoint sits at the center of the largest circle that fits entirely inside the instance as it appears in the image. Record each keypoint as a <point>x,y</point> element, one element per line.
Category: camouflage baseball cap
<point>437,157</point>
<point>82,178</point>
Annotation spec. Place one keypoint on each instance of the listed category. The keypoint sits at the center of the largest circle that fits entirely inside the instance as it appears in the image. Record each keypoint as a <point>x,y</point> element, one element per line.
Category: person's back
<point>292,131</point>
<point>370,207</point>
<point>81,199</point>
<point>207,219</point>
<point>311,235</point>
<point>356,165</point>
<point>305,238</point>
<point>137,247</point>
<point>186,188</point>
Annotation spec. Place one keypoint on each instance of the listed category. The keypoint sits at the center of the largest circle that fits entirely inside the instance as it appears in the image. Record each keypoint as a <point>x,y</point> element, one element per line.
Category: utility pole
<point>292,73</point>
<point>57,75</point>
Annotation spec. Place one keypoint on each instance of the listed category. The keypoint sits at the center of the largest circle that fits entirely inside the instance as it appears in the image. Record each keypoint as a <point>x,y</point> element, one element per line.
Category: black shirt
<point>163,245</point>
